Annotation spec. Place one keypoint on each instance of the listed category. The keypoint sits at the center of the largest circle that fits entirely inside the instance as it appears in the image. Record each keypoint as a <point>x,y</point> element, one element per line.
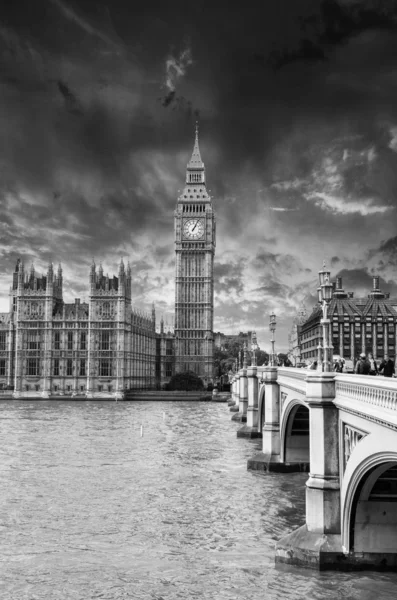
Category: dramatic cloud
<point>298,133</point>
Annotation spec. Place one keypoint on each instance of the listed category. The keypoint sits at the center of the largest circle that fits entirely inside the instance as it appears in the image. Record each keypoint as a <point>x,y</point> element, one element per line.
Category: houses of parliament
<point>104,347</point>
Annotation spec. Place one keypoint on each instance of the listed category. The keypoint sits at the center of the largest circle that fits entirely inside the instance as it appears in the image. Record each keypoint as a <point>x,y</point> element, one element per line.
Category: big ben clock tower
<point>194,283</point>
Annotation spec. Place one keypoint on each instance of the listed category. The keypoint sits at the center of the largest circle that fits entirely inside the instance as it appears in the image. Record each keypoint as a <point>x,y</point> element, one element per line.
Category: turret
<point>92,273</point>
<point>154,316</point>
<point>121,269</point>
<point>50,273</point>
<point>338,291</point>
<point>376,292</point>
<point>60,278</point>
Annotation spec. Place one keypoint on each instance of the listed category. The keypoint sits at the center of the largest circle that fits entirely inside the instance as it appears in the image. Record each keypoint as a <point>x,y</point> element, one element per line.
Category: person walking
<point>362,365</point>
<point>387,366</point>
<point>373,366</point>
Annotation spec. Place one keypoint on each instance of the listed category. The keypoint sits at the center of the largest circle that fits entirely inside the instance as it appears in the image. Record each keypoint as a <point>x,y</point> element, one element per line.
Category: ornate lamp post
<point>324,297</point>
<point>272,327</point>
<point>240,359</point>
<point>254,348</point>
<point>245,348</point>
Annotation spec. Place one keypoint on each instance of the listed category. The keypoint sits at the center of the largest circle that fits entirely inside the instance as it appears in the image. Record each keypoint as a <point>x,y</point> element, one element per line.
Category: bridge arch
<point>295,433</point>
<point>369,518</point>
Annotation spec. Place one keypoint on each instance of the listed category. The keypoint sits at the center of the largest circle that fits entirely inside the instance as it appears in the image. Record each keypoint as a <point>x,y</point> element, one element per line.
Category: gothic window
<point>168,369</point>
<point>3,340</point>
<point>33,366</point>
<point>57,340</point>
<point>70,340</point>
<point>33,340</point>
<point>105,368</point>
<point>104,340</point>
<point>82,367</point>
<point>69,367</point>
<point>106,310</point>
<point>56,367</point>
<point>2,367</point>
<point>83,341</point>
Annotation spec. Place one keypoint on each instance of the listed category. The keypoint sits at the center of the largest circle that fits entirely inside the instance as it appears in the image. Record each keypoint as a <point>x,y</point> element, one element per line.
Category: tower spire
<point>195,162</point>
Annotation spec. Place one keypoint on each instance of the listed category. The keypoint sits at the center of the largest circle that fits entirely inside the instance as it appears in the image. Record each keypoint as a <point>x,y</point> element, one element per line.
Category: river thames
<point>92,506</point>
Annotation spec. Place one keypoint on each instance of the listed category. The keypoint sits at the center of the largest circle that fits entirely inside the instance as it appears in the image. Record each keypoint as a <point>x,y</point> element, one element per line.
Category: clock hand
<point>195,226</point>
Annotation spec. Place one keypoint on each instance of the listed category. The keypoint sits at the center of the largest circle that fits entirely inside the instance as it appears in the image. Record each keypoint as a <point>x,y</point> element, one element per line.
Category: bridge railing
<point>372,395</point>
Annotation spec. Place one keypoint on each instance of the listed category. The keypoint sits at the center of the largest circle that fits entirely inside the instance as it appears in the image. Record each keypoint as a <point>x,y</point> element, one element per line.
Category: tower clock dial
<point>193,229</point>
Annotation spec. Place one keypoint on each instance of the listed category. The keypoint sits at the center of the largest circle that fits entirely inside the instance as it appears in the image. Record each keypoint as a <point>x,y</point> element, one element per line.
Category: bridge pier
<point>236,393</point>
<point>317,544</point>
<point>241,415</point>
<point>270,457</point>
<point>250,430</point>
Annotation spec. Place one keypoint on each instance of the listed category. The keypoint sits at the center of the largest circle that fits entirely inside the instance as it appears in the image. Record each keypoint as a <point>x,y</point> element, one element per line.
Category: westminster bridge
<point>342,429</point>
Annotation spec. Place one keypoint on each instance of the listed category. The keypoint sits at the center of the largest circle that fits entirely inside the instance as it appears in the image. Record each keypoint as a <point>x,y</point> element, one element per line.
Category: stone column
<point>243,398</point>
<point>236,394</point>
<point>250,430</point>
<point>269,458</point>
<point>318,542</point>
<point>363,337</point>
<point>231,402</point>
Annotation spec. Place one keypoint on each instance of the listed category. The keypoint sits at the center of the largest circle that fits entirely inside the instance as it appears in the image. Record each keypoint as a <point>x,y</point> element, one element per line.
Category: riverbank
<point>130,396</point>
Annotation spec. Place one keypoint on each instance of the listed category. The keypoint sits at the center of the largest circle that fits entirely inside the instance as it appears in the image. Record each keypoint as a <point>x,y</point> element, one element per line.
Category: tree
<point>187,381</point>
<point>262,357</point>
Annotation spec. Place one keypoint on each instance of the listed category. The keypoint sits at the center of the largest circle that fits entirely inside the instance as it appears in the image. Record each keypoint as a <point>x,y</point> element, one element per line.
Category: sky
<point>297,108</point>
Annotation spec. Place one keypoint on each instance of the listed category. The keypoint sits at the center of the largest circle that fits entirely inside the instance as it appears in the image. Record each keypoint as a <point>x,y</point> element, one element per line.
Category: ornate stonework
<point>351,437</point>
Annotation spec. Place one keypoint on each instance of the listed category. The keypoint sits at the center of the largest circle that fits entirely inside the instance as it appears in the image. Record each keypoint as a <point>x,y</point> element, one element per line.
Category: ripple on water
<point>90,509</point>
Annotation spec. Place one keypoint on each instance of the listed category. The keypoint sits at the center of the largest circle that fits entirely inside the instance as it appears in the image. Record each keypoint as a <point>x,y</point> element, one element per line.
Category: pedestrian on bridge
<point>363,366</point>
<point>387,366</point>
<point>373,366</point>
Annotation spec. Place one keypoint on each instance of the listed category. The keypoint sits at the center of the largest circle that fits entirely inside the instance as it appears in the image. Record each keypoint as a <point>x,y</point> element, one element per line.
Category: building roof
<point>376,304</point>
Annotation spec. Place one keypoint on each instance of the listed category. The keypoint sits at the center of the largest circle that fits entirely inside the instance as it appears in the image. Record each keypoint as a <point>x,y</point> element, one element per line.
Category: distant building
<point>357,324</point>
<point>222,340</point>
<point>294,350</point>
<point>165,356</point>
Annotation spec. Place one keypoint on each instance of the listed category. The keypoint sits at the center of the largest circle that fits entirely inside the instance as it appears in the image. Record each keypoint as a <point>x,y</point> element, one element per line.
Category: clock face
<point>193,229</point>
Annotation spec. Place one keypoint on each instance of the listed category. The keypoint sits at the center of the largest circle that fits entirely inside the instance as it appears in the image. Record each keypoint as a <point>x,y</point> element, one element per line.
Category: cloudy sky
<point>297,105</point>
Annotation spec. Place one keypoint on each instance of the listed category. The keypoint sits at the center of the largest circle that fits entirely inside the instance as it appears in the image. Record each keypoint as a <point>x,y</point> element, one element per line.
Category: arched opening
<point>373,518</point>
<point>297,441</point>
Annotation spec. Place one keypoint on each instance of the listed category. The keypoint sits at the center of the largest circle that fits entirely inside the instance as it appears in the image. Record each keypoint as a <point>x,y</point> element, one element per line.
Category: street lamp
<point>272,327</point>
<point>254,348</point>
<point>324,297</point>
<point>245,348</point>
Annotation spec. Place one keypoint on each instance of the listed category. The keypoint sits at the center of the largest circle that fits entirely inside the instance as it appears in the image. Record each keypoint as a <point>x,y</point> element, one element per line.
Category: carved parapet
<point>369,390</point>
<point>351,437</point>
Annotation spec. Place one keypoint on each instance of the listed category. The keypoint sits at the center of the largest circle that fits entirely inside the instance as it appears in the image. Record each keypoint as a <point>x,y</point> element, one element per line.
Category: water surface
<point>90,508</point>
